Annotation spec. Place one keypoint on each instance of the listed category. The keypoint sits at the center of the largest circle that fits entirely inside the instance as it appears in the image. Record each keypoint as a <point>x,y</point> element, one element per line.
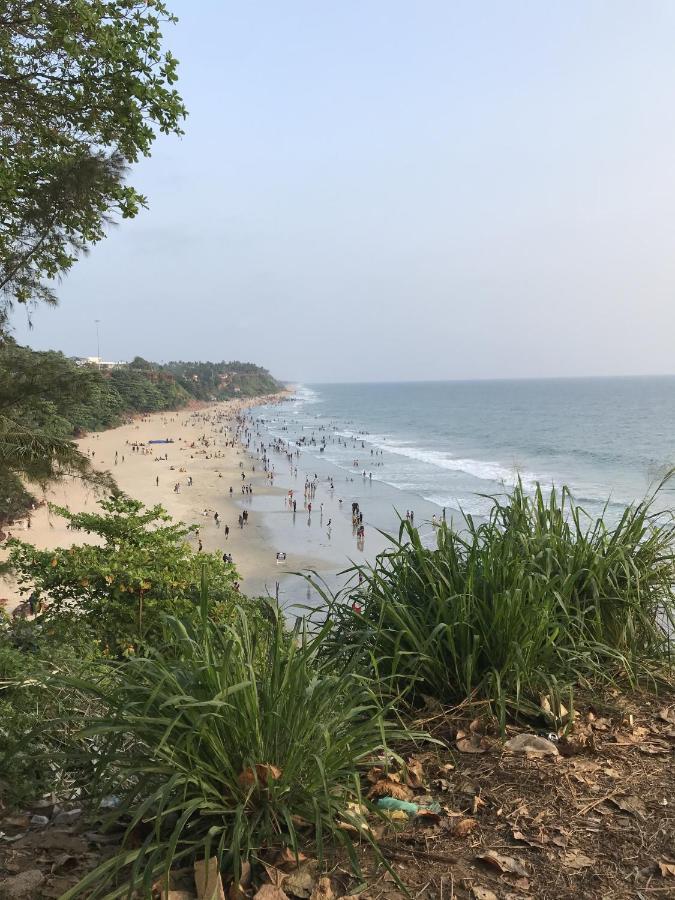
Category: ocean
<point>435,445</point>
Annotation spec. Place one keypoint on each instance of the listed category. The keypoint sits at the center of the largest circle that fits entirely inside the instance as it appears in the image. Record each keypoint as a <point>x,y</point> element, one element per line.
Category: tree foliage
<point>220,380</point>
<point>38,391</point>
<point>85,86</point>
<point>46,400</point>
<point>137,567</point>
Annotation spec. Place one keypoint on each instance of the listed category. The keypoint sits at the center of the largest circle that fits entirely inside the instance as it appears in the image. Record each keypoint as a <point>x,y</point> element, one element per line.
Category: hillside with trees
<point>222,380</point>
<point>47,399</point>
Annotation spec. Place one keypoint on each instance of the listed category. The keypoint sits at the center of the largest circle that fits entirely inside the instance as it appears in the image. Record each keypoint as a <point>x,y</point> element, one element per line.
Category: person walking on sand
<point>216,518</point>
<point>157,481</point>
<point>227,532</point>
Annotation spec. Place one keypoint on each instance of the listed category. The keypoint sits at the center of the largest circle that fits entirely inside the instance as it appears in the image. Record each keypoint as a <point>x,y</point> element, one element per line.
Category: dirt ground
<point>595,820</point>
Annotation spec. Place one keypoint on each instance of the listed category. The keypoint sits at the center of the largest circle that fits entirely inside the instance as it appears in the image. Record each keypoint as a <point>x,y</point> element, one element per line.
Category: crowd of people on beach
<point>266,460</point>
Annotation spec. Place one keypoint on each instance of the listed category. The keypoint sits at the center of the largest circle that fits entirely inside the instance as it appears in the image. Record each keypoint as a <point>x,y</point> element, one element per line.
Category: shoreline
<point>201,452</point>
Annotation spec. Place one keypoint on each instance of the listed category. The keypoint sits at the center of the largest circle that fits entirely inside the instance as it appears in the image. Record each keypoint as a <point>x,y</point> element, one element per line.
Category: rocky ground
<point>589,815</point>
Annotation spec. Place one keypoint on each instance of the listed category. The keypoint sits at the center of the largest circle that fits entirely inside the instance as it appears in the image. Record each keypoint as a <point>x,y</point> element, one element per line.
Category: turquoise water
<point>444,444</point>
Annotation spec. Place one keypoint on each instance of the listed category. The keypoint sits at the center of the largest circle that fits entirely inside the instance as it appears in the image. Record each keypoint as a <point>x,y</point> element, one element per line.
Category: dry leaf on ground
<point>270,892</point>
<point>630,804</point>
<point>442,784</point>
<point>575,859</point>
<point>300,883</point>
<point>531,744</point>
<point>653,749</point>
<point>63,862</point>
<point>427,817</point>
<point>667,869</point>
<point>524,839</point>
<point>286,859</point>
<point>208,881</point>
<point>464,827</point>
<point>387,788</point>
<point>276,876</point>
<point>238,891</point>
<point>471,743</point>
<point>481,893</point>
<point>264,772</point>
<point>502,863</point>
<point>414,773</point>
<point>377,773</point>
<point>545,705</point>
<point>323,890</point>
<point>635,736</point>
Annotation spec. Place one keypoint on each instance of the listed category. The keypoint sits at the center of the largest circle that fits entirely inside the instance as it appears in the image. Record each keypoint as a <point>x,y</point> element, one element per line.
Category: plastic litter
<point>391,803</point>
<point>412,809</point>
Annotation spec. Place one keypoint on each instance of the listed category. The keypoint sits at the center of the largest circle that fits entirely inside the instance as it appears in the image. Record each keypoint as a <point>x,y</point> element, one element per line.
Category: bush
<point>31,654</point>
<point>536,598</point>
<point>139,567</point>
<point>231,744</point>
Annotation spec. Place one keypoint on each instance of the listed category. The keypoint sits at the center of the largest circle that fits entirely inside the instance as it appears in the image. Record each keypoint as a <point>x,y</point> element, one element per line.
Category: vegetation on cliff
<point>47,399</point>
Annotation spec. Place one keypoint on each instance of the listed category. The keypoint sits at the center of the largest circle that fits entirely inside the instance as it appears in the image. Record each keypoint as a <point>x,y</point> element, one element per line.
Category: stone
<point>23,886</point>
<point>67,817</point>
<point>39,820</point>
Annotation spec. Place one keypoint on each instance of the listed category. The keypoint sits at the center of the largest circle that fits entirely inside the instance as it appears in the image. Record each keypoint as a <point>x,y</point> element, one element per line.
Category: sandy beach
<point>208,471</point>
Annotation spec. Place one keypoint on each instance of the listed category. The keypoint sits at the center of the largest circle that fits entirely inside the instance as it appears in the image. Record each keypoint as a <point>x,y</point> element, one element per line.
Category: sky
<point>385,190</point>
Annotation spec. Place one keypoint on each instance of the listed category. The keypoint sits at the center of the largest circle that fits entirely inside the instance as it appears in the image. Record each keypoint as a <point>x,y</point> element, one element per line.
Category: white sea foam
<point>472,505</point>
<point>481,469</point>
<point>304,396</point>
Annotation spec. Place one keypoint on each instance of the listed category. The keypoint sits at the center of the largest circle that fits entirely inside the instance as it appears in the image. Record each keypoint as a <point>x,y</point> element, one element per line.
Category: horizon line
<point>298,381</point>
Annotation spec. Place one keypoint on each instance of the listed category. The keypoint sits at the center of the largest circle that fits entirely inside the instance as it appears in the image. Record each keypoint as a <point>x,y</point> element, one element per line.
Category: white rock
<point>39,820</point>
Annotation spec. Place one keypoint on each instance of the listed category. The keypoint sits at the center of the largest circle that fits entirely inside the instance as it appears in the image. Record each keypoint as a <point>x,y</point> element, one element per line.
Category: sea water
<point>435,445</point>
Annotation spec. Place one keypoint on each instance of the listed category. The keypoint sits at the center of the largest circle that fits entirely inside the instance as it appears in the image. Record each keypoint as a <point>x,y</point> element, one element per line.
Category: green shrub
<point>536,598</point>
<point>236,743</point>
<point>31,654</point>
<point>138,567</point>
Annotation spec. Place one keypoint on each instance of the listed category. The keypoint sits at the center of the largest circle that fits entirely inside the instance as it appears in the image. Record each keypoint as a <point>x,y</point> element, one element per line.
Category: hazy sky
<point>400,189</point>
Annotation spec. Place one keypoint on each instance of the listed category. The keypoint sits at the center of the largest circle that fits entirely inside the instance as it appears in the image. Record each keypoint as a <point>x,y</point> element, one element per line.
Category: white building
<point>98,362</point>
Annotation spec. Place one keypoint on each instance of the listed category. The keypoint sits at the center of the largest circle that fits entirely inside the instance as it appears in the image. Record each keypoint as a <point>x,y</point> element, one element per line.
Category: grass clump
<point>535,599</point>
<point>230,742</point>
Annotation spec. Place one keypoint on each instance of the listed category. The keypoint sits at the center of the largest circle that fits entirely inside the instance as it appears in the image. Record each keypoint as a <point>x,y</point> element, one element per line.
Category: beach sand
<point>149,477</point>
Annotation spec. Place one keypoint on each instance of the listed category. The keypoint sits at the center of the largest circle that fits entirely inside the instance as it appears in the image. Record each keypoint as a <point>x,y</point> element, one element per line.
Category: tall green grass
<point>536,599</point>
<point>232,743</point>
